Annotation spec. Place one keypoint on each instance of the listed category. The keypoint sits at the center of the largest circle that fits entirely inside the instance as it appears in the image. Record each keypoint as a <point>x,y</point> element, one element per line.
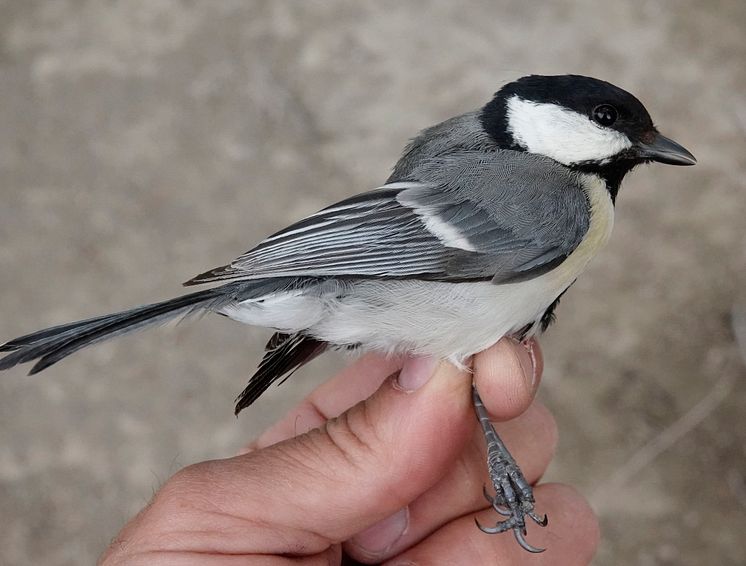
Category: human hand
<point>393,474</point>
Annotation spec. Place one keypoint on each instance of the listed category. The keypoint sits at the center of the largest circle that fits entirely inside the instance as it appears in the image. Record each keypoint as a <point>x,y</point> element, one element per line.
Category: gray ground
<point>142,142</point>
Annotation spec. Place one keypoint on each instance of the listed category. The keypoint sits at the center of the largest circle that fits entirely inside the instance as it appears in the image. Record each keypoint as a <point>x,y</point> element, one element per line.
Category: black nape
<point>494,118</point>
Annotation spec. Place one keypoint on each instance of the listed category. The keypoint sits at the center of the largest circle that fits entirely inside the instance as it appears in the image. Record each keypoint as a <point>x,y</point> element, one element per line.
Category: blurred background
<point>143,142</point>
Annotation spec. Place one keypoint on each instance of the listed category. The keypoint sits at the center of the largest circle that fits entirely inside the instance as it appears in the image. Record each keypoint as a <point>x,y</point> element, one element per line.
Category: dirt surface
<point>143,142</point>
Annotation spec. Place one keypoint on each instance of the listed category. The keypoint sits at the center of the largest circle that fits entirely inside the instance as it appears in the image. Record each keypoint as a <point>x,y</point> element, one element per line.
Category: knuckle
<point>181,489</point>
<point>189,476</point>
<point>355,437</point>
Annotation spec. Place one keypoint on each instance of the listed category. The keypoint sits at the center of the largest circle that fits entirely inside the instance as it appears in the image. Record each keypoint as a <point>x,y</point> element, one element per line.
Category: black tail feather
<point>35,337</point>
<point>286,353</point>
<point>52,344</point>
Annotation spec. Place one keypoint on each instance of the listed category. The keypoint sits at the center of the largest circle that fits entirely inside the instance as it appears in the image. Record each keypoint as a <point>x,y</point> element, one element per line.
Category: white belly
<point>444,319</point>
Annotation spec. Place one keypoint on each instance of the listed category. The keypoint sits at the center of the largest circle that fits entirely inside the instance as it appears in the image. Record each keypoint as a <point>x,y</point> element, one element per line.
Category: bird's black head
<point>584,123</point>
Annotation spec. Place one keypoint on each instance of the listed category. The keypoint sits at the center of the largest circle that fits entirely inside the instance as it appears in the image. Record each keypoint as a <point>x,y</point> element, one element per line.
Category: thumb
<point>324,486</point>
<point>373,459</point>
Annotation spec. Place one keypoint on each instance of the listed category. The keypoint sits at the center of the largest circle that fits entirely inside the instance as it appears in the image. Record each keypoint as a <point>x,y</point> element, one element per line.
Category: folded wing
<point>426,229</point>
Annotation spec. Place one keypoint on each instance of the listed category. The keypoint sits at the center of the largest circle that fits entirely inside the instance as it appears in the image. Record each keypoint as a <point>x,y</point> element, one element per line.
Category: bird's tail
<point>52,344</point>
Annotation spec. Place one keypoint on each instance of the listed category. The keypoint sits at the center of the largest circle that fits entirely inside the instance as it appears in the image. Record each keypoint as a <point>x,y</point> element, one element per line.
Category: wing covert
<point>463,218</point>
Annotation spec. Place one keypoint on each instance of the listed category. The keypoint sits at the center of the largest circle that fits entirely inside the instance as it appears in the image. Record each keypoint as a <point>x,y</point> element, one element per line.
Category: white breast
<point>560,133</point>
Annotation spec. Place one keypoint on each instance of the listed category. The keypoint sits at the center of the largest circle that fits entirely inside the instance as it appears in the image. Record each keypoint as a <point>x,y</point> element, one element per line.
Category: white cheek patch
<point>559,133</point>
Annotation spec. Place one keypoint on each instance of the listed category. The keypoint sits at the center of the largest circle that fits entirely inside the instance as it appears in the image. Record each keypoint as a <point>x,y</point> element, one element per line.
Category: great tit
<point>487,219</point>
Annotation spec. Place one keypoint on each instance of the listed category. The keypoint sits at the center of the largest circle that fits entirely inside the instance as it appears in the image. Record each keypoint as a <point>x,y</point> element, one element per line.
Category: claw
<point>502,511</point>
<point>487,495</point>
<point>520,537</point>
<point>541,522</point>
<point>494,503</point>
<point>500,527</point>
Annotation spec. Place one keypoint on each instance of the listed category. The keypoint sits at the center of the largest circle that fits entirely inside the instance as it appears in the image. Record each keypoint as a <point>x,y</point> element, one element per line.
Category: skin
<point>377,465</point>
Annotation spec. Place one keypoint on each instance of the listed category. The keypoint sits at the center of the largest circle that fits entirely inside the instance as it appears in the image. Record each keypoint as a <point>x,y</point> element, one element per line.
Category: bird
<point>484,223</point>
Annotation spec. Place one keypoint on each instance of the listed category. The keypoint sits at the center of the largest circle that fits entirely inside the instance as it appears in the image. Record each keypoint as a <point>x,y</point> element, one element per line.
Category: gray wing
<point>467,216</point>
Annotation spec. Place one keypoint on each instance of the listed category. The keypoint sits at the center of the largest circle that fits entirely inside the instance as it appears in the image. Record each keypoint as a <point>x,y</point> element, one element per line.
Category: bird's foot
<point>516,511</point>
<point>514,496</point>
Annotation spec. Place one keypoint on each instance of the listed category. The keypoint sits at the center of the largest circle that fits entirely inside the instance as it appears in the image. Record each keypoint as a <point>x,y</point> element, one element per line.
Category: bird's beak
<point>665,150</point>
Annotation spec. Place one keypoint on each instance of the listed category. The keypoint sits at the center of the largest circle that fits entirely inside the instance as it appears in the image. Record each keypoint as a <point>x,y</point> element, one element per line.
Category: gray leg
<point>514,497</point>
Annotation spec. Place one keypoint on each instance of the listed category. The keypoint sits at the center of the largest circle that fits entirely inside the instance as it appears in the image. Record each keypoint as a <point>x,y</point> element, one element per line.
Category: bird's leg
<point>514,497</point>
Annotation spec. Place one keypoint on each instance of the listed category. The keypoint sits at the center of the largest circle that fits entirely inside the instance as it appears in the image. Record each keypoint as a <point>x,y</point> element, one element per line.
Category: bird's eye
<point>605,114</point>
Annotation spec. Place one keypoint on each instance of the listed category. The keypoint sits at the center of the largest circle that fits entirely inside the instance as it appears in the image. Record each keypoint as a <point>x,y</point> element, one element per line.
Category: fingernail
<point>524,351</point>
<point>533,347</point>
<point>380,538</point>
<point>416,372</point>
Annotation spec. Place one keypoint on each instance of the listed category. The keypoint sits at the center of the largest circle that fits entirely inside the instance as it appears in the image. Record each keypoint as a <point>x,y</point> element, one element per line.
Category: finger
<point>322,487</point>
<point>509,373</point>
<point>570,538</point>
<point>356,382</point>
<point>507,376</point>
<point>532,438</point>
